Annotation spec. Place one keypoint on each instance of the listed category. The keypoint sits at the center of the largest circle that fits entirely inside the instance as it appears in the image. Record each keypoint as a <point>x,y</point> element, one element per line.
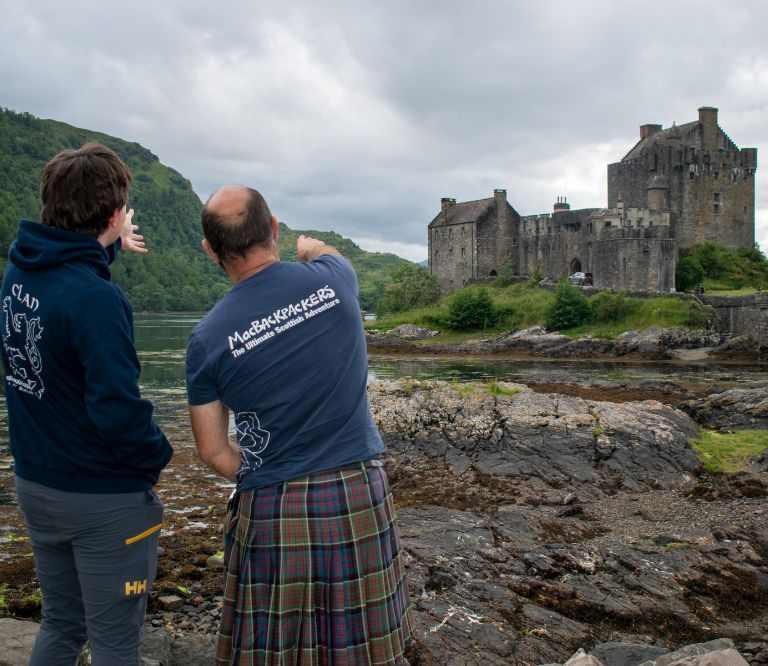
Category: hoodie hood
<point>39,247</point>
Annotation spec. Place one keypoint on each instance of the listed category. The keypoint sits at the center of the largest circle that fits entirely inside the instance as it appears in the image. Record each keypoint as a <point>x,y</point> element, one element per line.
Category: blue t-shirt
<point>285,351</point>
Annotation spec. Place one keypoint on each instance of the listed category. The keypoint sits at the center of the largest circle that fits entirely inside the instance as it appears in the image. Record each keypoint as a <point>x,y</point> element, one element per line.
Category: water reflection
<point>162,339</point>
<point>467,369</point>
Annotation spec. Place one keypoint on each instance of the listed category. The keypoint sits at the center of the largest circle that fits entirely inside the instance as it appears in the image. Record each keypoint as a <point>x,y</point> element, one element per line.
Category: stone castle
<point>676,188</point>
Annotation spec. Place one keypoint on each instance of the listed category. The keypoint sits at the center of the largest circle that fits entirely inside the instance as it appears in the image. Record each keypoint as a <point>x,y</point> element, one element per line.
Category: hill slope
<point>176,275</point>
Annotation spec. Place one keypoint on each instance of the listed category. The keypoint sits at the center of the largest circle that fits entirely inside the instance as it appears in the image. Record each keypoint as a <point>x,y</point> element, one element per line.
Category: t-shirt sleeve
<point>201,387</point>
<point>339,266</point>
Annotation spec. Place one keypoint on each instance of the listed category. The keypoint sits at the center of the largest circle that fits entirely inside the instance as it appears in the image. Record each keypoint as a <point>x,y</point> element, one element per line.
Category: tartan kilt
<point>314,574</point>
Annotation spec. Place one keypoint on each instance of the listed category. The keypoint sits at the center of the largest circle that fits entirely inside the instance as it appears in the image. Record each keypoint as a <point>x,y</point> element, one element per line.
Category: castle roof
<point>465,212</point>
<point>670,136</point>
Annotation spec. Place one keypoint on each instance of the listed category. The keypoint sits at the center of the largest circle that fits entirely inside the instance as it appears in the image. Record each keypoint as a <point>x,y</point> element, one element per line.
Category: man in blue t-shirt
<point>313,559</point>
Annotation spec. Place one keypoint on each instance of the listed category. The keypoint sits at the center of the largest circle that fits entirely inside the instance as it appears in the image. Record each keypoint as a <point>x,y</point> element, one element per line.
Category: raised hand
<point>129,239</point>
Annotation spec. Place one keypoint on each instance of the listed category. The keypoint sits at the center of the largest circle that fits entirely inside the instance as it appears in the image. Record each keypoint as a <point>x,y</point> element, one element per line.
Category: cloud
<point>360,116</point>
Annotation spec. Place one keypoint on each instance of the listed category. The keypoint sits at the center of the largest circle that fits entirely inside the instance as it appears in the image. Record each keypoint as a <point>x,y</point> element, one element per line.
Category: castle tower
<point>658,193</point>
<point>697,173</point>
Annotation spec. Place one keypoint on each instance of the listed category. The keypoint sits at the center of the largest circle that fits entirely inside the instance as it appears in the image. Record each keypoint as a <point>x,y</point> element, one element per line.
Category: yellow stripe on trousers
<point>145,533</point>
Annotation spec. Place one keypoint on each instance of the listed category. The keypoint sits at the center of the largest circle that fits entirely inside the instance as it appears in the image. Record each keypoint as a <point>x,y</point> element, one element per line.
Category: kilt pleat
<point>315,574</point>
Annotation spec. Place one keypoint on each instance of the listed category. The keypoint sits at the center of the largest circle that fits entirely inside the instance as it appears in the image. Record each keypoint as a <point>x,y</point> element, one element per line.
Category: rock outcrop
<point>534,525</point>
<point>734,409</point>
<point>537,524</point>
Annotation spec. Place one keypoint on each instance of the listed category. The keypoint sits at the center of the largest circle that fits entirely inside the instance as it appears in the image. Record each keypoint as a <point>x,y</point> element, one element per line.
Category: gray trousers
<point>95,559</point>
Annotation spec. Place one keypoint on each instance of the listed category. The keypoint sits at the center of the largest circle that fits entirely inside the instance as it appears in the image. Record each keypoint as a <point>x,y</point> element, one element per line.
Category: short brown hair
<point>81,189</point>
<point>233,235</point>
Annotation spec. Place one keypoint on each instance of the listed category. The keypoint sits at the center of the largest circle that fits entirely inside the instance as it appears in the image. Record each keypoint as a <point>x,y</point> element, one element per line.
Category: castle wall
<point>745,315</point>
<point>453,255</point>
<point>635,259</point>
<point>718,205</point>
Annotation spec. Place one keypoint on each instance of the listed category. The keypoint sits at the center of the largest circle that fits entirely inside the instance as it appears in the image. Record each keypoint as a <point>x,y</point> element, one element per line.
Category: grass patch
<point>463,389</point>
<point>496,389</point>
<point>521,306</point>
<point>719,290</point>
<point>729,452</point>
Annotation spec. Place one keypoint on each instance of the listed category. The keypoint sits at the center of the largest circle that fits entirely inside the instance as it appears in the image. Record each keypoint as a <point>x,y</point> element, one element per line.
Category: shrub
<point>607,306</point>
<point>689,273</point>
<point>505,277</point>
<point>570,308</point>
<point>470,309</point>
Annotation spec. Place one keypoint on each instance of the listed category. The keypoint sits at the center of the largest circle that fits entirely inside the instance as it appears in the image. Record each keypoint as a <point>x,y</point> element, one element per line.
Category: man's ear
<point>209,251</point>
<point>114,218</point>
<point>275,228</point>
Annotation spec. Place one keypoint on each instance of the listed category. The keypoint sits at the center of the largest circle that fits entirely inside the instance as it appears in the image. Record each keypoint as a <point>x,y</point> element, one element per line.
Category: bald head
<point>236,220</point>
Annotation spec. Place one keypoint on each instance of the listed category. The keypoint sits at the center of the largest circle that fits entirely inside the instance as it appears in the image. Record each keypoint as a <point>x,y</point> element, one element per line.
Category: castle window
<point>716,208</point>
<point>437,253</point>
<point>450,253</point>
<point>450,233</point>
<point>463,252</point>
<point>717,175</point>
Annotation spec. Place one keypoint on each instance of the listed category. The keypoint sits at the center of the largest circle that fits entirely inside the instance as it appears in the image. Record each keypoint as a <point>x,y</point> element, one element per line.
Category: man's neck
<point>252,264</point>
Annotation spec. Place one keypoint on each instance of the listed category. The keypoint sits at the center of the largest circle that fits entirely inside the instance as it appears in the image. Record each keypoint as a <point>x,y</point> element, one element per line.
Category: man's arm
<point>102,335</point>
<point>210,424</point>
<point>308,248</point>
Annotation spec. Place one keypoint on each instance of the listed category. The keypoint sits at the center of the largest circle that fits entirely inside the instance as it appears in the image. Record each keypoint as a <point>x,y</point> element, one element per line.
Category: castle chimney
<point>708,120</point>
<point>500,199</point>
<point>648,130</point>
<point>445,207</point>
<point>561,205</point>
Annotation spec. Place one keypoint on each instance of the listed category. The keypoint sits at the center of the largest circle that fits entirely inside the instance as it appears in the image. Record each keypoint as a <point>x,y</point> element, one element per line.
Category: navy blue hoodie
<point>75,416</point>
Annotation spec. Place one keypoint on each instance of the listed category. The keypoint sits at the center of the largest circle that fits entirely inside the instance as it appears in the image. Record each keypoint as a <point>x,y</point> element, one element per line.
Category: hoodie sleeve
<point>104,338</point>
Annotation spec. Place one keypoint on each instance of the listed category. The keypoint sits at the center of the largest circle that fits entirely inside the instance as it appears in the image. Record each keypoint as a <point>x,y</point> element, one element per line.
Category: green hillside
<point>176,275</point>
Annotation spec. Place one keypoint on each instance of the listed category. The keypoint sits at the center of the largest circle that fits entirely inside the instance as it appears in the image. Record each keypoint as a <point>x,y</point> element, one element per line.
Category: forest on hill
<point>176,275</point>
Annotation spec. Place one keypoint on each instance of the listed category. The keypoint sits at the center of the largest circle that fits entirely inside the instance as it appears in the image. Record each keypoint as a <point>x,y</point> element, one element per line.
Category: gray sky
<point>358,116</point>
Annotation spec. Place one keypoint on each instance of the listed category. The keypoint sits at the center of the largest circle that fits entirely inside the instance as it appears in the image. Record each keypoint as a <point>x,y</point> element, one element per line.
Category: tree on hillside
<point>410,286</point>
<point>722,267</point>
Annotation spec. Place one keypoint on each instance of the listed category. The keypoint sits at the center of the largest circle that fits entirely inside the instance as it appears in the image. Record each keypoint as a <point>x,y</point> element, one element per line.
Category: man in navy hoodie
<point>86,448</point>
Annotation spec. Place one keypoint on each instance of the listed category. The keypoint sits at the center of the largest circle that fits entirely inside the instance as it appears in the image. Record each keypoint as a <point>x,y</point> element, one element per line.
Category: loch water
<point>161,342</point>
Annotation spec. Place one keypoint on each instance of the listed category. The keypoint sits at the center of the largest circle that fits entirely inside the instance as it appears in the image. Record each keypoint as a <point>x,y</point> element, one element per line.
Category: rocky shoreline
<point>654,344</point>
<point>535,523</point>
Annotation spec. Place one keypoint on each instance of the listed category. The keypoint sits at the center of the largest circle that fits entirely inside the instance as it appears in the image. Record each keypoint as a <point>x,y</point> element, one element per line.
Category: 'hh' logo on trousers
<point>135,587</point>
